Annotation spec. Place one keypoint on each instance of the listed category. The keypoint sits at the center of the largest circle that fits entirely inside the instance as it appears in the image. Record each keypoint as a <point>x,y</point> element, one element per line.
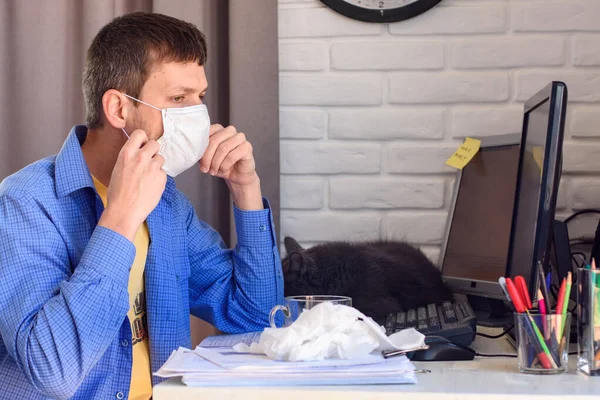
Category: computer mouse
<point>442,349</point>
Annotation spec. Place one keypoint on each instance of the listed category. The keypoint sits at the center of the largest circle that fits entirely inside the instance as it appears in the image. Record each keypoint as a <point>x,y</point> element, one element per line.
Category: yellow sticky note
<point>538,156</point>
<point>465,153</point>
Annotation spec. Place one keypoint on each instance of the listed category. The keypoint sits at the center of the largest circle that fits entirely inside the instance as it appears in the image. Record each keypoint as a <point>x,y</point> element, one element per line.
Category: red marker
<point>561,296</point>
<point>544,360</point>
<point>522,287</point>
<point>515,296</point>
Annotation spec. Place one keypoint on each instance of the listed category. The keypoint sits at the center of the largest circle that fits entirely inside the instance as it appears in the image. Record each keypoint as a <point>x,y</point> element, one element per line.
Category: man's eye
<point>178,99</point>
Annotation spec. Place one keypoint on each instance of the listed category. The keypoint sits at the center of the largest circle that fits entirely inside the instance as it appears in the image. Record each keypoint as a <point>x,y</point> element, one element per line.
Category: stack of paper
<point>218,365</point>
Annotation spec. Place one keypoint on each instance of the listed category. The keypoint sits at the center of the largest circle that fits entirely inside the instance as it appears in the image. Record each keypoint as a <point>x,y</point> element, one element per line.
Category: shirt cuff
<point>108,254</point>
<point>255,228</point>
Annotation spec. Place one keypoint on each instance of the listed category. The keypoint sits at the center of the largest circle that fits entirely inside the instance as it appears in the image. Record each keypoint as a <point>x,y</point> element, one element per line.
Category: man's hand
<point>136,185</point>
<point>229,156</point>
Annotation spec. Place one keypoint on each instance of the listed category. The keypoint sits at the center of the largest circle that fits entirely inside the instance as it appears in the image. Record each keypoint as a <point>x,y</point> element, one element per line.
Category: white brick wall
<point>370,112</point>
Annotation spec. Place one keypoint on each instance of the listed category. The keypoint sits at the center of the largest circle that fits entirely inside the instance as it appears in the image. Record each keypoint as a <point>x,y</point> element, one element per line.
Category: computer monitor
<point>500,220</point>
<point>540,165</point>
<point>475,252</point>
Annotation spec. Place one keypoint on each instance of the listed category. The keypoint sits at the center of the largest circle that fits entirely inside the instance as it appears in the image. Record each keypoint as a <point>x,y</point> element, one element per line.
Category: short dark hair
<point>125,50</point>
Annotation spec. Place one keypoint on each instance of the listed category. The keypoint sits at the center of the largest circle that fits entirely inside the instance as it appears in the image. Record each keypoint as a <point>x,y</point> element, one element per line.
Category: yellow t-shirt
<point>141,375</point>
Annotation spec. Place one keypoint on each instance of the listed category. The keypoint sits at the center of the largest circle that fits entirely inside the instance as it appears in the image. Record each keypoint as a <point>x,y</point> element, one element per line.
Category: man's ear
<point>115,107</point>
<point>293,268</point>
<point>291,245</point>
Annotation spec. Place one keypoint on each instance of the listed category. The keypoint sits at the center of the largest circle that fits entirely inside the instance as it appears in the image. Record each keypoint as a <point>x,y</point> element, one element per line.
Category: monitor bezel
<point>556,94</point>
<point>468,286</point>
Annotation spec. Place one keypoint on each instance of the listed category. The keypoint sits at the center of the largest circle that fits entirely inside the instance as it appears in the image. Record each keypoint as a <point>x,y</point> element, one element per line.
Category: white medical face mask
<point>185,136</point>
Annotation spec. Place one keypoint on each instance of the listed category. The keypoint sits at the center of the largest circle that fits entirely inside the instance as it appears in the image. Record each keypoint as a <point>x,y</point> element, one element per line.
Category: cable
<point>496,336</point>
<point>496,355</point>
<point>510,355</point>
<point>573,259</point>
<point>576,242</point>
<point>583,258</point>
<point>580,212</point>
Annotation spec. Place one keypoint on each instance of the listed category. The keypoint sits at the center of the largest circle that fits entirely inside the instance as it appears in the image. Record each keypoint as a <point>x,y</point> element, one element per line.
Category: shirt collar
<point>72,173</point>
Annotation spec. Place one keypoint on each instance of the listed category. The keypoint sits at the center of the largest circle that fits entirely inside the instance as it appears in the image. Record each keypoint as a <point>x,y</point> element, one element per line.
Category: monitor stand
<point>490,312</point>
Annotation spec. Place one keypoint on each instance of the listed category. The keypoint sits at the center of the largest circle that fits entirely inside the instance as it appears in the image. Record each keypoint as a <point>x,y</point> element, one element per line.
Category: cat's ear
<point>291,245</point>
<point>293,267</point>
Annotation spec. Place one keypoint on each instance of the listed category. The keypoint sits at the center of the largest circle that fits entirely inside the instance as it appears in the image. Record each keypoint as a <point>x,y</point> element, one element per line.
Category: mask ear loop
<point>139,101</point>
<point>143,102</point>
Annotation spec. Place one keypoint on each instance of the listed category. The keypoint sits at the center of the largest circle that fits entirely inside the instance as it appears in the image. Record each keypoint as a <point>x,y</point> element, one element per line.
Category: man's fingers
<point>224,149</point>
<point>150,149</point>
<point>158,161</point>
<point>213,143</point>
<point>215,128</point>
<point>136,140</point>
<point>234,156</point>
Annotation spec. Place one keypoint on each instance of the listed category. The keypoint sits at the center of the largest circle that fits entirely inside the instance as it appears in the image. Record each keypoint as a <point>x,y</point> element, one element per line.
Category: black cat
<point>380,277</point>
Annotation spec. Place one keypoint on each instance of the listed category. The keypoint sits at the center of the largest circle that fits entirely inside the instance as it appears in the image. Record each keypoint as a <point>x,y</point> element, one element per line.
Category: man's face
<point>170,85</point>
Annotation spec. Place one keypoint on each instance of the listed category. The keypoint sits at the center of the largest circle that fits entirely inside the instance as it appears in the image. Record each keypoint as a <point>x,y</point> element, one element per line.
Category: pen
<point>544,285</point>
<point>559,307</point>
<point>392,353</point>
<point>502,282</point>
<point>542,306</point>
<point>565,304</point>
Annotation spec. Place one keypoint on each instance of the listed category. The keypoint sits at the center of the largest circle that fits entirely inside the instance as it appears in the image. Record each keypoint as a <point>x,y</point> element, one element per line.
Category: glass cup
<point>588,321</point>
<point>543,342</point>
<point>294,305</point>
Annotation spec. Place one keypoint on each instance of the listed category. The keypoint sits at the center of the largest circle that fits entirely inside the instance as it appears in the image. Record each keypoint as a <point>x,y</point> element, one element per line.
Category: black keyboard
<point>455,321</point>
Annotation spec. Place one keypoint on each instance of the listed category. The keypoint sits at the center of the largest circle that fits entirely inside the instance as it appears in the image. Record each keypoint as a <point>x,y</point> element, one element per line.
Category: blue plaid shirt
<point>63,281</point>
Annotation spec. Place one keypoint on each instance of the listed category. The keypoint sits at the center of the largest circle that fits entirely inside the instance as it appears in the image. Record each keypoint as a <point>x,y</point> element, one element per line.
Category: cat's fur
<point>380,277</point>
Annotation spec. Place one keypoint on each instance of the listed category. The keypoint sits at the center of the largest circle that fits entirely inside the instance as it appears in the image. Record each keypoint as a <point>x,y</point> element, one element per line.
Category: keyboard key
<point>422,317</point>
<point>450,316</point>
<point>401,318</point>
<point>447,306</point>
<point>400,321</point>
<point>432,311</point>
<point>411,318</point>
<point>433,317</point>
<point>390,322</point>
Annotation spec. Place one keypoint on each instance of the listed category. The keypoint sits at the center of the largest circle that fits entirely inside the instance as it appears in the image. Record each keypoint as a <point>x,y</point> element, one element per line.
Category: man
<point>102,259</point>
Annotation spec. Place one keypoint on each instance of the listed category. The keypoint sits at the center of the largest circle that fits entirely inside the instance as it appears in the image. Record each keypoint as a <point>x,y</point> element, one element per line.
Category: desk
<point>495,378</point>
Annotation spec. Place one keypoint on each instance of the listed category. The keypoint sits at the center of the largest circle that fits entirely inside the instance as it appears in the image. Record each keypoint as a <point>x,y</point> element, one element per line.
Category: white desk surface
<point>493,377</point>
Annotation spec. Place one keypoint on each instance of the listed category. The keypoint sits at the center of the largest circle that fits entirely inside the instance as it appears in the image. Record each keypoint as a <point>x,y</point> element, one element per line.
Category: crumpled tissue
<point>330,331</point>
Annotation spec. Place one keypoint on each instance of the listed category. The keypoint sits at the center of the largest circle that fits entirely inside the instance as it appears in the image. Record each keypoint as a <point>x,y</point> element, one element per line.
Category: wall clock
<point>380,10</point>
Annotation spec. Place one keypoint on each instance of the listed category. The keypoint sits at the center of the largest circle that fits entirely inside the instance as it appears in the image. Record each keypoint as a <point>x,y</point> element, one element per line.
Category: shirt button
<point>120,395</point>
<point>262,228</point>
<point>124,343</point>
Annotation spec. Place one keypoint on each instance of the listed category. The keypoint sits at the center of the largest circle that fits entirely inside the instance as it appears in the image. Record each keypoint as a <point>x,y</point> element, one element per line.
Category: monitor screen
<point>478,239</point>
